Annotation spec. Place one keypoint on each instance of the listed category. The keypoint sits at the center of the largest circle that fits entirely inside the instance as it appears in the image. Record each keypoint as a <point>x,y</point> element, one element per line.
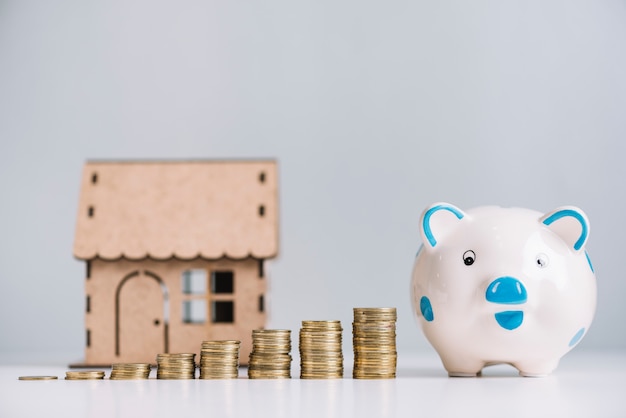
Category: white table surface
<point>586,384</point>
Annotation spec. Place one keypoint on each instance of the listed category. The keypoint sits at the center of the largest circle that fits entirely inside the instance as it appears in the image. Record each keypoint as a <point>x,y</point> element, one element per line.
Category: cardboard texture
<point>175,255</point>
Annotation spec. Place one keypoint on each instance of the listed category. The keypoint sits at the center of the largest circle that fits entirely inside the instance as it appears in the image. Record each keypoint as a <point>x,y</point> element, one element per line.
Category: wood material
<point>143,226</point>
<point>181,209</point>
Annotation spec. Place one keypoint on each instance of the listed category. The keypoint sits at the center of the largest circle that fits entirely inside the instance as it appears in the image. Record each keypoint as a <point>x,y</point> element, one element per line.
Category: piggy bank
<point>496,285</point>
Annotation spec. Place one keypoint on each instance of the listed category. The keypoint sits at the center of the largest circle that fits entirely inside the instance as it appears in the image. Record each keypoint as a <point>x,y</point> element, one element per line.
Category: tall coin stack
<point>374,339</point>
<point>126,371</point>
<point>320,350</point>
<point>176,366</point>
<point>270,358</point>
<point>219,359</point>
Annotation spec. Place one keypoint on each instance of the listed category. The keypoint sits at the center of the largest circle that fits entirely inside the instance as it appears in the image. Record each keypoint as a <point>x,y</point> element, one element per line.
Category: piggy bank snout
<point>506,290</point>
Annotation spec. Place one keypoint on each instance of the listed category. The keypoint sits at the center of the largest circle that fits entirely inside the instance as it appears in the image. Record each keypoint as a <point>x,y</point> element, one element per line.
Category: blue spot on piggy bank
<point>503,285</point>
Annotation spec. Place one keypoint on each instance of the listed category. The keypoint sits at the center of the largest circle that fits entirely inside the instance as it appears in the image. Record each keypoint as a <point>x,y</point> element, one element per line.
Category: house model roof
<point>177,209</point>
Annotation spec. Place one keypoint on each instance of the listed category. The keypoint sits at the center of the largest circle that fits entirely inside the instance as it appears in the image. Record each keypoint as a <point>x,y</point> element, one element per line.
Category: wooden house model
<point>175,254</point>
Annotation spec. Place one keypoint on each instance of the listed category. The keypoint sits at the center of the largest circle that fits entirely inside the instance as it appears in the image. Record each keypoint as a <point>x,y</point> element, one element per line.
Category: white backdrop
<point>373,109</point>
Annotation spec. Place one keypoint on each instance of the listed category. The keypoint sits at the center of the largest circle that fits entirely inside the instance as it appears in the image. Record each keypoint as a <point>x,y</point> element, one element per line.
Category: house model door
<point>141,318</point>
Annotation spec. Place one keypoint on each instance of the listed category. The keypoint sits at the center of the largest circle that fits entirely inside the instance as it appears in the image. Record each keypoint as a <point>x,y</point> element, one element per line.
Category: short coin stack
<point>176,366</point>
<point>320,350</point>
<point>219,359</point>
<point>85,375</point>
<point>270,358</point>
<point>374,339</point>
<point>129,371</point>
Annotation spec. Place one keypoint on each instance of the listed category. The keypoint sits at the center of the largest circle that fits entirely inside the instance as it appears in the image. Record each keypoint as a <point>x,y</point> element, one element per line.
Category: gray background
<point>373,109</point>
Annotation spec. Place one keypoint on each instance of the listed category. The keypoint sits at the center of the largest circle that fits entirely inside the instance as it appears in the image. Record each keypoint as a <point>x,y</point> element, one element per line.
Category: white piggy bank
<point>503,285</point>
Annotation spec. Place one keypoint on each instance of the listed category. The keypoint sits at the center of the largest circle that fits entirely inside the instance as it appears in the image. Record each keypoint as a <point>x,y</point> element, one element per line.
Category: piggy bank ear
<point>437,221</point>
<point>570,223</point>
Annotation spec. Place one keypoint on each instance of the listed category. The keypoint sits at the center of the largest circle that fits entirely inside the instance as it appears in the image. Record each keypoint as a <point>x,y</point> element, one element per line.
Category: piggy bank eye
<point>541,260</point>
<point>469,257</point>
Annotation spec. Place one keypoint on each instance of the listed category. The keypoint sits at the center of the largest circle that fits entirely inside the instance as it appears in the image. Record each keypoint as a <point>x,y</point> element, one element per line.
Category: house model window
<point>194,309</point>
<point>223,311</point>
<point>194,282</point>
<point>175,251</point>
<point>222,282</point>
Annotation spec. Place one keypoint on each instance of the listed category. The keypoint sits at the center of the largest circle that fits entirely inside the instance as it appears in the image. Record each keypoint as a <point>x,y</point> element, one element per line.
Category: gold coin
<point>85,374</point>
<point>270,358</point>
<point>130,371</point>
<point>374,343</point>
<point>332,324</point>
<point>321,350</point>
<point>372,316</point>
<point>37,378</point>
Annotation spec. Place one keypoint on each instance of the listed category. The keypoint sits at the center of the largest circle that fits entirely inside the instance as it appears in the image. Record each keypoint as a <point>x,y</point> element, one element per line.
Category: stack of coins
<point>85,375</point>
<point>374,339</point>
<point>126,371</point>
<point>176,366</point>
<point>219,360</point>
<point>270,358</point>
<point>320,350</point>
